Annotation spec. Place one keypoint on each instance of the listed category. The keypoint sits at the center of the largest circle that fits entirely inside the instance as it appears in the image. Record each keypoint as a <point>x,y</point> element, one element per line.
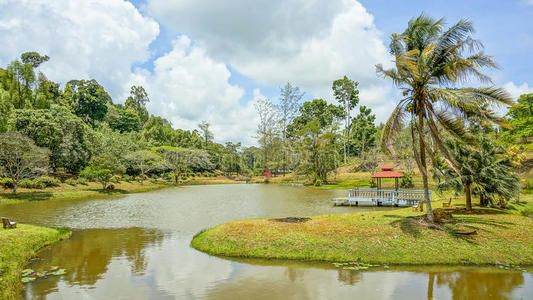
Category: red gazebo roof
<point>387,172</point>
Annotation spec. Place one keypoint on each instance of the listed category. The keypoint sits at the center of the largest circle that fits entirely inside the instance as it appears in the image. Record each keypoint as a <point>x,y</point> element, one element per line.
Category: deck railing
<point>403,197</point>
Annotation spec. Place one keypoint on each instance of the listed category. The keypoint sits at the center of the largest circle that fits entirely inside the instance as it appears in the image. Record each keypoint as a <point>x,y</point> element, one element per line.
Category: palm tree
<point>430,64</point>
<point>485,171</point>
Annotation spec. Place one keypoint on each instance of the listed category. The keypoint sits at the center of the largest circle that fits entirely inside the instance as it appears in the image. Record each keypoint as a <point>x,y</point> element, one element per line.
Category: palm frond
<point>392,127</point>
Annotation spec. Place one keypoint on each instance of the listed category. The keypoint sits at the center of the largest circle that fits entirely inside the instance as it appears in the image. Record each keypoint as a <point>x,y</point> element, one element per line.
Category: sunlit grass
<point>17,246</point>
<point>378,238</point>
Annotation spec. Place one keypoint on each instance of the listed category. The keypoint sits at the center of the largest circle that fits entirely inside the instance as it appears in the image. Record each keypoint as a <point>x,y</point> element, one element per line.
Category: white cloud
<point>307,42</point>
<point>98,39</point>
<point>515,91</point>
<point>189,86</point>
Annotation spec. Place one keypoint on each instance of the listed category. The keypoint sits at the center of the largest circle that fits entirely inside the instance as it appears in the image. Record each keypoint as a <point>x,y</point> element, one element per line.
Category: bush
<point>115,179</point>
<point>83,181</point>
<point>372,183</point>
<point>318,182</point>
<point>6,183</point>
<point>71,181</point>
<point>126,178</point>
<point>48,181</point>
<point>407,180</point>
<point>526,211</point>
<point>110,187</point>
<point>31,184</point>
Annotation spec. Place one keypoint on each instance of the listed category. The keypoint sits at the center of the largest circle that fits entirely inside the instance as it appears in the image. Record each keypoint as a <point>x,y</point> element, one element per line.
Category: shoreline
<point>19,246</point>
<point>378,238</point>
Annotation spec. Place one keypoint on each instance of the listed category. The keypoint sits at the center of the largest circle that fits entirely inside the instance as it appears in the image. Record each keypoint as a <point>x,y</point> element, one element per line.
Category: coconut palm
<point>430,66</point>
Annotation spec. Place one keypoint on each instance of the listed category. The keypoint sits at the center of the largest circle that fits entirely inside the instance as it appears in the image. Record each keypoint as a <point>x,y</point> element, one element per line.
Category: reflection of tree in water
<point>294,273</point>
<point>477,284</point>
<point>88,253</point>
<point>349,277</point>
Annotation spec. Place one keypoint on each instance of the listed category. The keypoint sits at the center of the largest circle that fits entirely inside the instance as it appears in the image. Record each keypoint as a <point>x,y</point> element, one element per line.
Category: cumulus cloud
<point>187,86</point>
<point>307,42</point>
<point>98,39</point>
<point>515,91</point>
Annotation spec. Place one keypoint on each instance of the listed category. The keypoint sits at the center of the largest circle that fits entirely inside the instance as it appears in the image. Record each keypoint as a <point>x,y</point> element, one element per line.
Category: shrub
<point>31,184</point>
<point>407,180</point>
<point>6,183</point>
<point>526,211</point>
<point>318,182</point>
<point>115,179</point>
<point>110,187</point>
<point>83,181</point>
<point>71,181</point>
<point>372,183</point>
<point>48,181</point>
<point>126,178</point>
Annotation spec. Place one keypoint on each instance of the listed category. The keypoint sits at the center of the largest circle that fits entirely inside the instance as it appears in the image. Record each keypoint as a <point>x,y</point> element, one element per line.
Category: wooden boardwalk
<point>375,197</point>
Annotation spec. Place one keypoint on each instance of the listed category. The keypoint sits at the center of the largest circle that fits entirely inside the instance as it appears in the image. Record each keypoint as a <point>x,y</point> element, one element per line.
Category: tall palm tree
<point>431,64</point>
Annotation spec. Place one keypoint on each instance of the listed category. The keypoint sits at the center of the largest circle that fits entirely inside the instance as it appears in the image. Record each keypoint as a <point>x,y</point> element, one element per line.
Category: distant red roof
<point>387,172</point>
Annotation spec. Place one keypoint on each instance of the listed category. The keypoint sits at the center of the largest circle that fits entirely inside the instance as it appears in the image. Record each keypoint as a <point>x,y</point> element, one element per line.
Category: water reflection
<point>137,247</point>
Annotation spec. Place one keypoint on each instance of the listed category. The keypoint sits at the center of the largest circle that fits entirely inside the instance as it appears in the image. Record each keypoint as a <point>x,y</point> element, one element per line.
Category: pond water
<point>137,247</point>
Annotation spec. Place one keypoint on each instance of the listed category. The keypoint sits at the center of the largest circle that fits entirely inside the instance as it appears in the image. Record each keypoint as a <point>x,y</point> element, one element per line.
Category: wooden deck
<point>374,197</point>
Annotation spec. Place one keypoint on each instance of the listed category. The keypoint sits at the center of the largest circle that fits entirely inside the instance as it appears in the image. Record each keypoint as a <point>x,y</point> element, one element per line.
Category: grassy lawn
<point>17,246</point>
<point>385,237</point>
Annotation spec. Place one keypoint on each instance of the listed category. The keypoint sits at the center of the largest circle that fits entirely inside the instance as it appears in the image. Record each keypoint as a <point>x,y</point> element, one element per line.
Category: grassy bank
<point>94,190</point>
<point>17,247</point>
<point>385,237</point>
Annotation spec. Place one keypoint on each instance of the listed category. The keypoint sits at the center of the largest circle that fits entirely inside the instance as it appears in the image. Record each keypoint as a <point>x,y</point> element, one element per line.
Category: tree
<point>69,139</point>
<point>206,133</point>
<point>20,158</point>
<point>33,58</point>
<point>347,94</point>
<point>485,171</point>
<point>521,117</point>
<point>143,160</point>
<point>429,63</point>
<point>5,110</point>
<point>123,120</point>
<point>363,130</point>
<point>287,110</point>
<point>159,132</point>
<point>267,130</point>
<point>137,102</point>
<point>179,160</point>
<point>101,168</point>
<point>88,99</point>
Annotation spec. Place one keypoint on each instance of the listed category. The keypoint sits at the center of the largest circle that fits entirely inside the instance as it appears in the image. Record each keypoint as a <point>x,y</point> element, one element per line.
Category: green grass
<point>385,237</point>
<point>17,246</point>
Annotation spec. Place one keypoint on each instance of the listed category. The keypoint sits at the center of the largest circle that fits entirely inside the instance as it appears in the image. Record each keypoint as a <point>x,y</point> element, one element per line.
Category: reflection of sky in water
<point>137,247</point>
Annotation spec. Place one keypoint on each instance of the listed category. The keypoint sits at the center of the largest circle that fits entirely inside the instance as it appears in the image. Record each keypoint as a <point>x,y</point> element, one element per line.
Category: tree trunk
<point>103,185</point>
<point>15,185</point>
<point>482,200</point>
<point>423,165</point>
<point>468,197</point>
<point>175,177</point>
<point>142,176</point>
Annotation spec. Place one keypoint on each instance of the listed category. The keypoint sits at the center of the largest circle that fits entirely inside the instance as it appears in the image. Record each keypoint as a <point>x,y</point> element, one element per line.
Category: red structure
<point>387,172</point>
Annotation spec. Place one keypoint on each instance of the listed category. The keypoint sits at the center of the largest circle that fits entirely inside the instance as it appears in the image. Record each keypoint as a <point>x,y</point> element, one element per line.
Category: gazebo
<point>387,171</point>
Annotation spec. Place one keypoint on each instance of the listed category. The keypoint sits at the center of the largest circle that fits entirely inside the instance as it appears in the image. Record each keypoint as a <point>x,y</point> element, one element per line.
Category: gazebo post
<point>396,183</point>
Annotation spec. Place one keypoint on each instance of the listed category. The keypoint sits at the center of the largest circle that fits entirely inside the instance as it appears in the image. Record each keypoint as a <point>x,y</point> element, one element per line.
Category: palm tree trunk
<point>468,197</point>
<point>423,165</point>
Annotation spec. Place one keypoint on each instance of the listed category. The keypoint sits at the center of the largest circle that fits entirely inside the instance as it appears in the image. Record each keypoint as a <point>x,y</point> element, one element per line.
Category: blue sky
<point>212,60</point>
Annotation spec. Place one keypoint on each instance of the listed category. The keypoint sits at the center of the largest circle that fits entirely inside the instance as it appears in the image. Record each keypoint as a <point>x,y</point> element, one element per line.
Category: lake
<point>137,247</point>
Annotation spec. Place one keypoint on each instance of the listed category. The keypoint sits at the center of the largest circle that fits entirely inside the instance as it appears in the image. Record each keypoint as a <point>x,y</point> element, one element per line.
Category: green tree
<point>363,130</point>
<point>5,110</point>
<point>143,160</point>
<point>88,99</point>
<point>33,58</point>
<point>521,117</point>
<point>101,168</point>
<point>69,139</point>
<point>20,158</point>
<point>137,102</point>
<point>429,64</point>
<point>347,94</point>
<point>122,120</point>
<point>179,160</point>
<point>159,132</point>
